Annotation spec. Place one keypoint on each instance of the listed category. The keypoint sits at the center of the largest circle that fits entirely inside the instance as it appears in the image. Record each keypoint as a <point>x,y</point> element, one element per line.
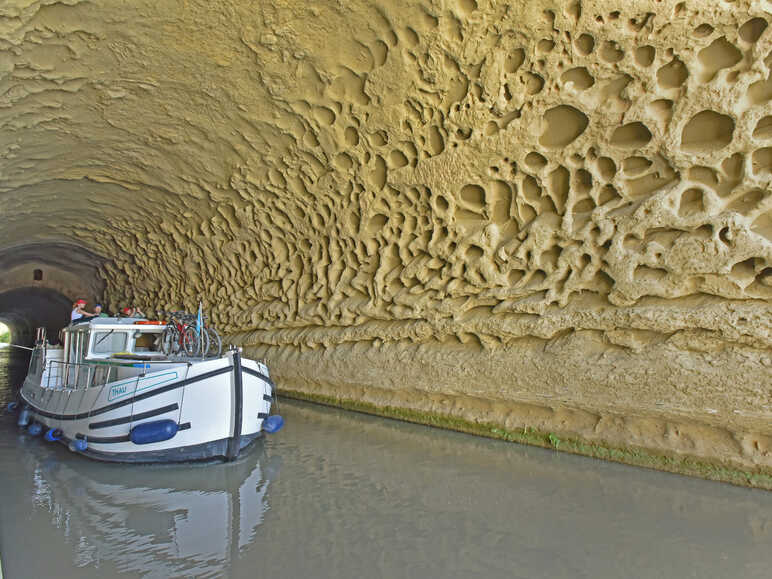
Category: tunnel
<point>39,281</point>
<point>24,310</point>
<point>536,221</point>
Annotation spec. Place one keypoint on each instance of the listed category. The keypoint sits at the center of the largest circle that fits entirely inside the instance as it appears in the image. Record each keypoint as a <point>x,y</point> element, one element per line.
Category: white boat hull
<point>218,406</point>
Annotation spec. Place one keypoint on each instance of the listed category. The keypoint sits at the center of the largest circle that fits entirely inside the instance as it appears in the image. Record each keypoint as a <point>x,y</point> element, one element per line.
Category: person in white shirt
<point>79,314</point>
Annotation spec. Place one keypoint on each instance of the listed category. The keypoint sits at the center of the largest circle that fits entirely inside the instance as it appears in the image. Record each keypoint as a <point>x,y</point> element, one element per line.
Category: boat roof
<point>113,324</point>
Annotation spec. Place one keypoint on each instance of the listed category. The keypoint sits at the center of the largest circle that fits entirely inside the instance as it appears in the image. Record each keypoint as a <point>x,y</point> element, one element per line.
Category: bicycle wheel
<point>215,343</point>
<point>204,339</point>
<point>195,343</point>
<point>190,342</point>
<point>170,340</point>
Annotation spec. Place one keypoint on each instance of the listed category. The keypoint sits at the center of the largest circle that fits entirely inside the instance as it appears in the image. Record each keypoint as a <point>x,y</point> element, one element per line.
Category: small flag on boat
<point>200,319</point>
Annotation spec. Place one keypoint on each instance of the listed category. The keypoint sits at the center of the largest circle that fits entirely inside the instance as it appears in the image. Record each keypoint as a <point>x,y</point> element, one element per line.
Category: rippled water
<point>337,494</point>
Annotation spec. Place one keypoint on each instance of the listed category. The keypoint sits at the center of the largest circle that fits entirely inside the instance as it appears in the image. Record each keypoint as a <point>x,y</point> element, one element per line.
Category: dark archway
<point>26,309</point>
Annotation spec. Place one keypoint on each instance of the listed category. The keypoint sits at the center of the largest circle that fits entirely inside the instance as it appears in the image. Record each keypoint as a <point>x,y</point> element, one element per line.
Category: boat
<point>109,393</point>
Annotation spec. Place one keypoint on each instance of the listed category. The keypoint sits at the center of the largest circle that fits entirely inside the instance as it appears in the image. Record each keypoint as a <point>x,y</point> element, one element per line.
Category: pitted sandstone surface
<point>453,206</point>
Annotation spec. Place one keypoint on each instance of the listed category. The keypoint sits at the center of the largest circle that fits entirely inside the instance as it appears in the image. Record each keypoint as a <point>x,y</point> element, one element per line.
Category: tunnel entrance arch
<point>25,309</point>
<point>62,267</point>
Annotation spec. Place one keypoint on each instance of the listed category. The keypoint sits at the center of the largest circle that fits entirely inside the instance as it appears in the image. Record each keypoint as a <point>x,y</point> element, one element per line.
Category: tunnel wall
<point>64,268</point>
<point>55,279</point>
<point>547,221</point>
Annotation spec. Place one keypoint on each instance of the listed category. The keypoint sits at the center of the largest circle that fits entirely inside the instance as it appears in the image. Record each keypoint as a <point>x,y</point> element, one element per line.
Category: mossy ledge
<point>634,456</point>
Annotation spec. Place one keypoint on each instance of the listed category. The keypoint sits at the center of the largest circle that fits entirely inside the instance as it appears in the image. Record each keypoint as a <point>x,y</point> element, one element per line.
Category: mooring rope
<point>182,395</point>
<point>21,347</point>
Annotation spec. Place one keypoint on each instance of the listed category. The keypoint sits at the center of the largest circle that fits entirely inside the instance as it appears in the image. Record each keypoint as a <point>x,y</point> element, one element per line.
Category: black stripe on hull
<point>234,444</point>
<point>134,417</point>
<point>257,374</point>
<point>213,450</point>
<point>132,400</point>
<point>121,438</point>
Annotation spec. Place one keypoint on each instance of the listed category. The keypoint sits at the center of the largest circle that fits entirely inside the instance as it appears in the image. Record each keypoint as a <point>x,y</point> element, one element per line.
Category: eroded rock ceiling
<point>463,173</point>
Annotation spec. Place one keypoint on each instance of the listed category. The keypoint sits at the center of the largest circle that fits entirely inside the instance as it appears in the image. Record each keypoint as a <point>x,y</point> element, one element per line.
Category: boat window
<point>147,342</point>
<point>72,356</point>
<point>109,342</point>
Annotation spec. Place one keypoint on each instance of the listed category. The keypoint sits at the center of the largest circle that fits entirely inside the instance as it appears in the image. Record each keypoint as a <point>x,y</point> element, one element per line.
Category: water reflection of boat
<point>189,520</point>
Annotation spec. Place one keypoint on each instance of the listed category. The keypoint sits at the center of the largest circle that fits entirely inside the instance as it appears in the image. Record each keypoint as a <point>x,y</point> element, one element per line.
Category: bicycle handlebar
<point>180,315</point>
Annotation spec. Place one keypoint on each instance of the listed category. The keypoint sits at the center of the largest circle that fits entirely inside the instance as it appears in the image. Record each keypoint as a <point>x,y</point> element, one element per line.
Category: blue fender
<point>53,434</point>
<point>273,424</point>
<point>12,406</point>
<point>35,428</point>
<point>156,431</point>
<point>78,445</point>
<point>24,417</point>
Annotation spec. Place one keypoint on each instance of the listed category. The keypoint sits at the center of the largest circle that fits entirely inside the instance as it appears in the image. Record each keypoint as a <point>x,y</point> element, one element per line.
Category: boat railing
<point>75,375</point>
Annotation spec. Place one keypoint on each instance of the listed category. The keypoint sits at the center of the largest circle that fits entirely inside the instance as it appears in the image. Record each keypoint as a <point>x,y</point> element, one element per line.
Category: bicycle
<point>213,340</point>
<point>180,335</point>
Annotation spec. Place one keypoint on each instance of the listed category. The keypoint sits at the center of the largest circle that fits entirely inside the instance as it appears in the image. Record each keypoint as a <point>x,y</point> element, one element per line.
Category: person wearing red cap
<point>79,314</point>
<point>133,313</point>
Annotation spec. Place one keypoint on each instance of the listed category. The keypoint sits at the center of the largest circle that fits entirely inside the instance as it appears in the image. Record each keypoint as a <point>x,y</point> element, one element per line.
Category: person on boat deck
<point>79,314</point>
<point>133,313</point>
<point>99,313</point>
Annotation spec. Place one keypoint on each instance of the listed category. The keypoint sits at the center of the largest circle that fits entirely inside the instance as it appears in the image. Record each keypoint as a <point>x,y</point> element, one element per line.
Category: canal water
<point>343,495</point>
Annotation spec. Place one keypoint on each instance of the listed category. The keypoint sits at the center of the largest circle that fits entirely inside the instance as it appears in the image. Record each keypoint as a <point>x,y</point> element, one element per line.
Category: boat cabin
<point>99,351</point>
<point>103,338</point>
